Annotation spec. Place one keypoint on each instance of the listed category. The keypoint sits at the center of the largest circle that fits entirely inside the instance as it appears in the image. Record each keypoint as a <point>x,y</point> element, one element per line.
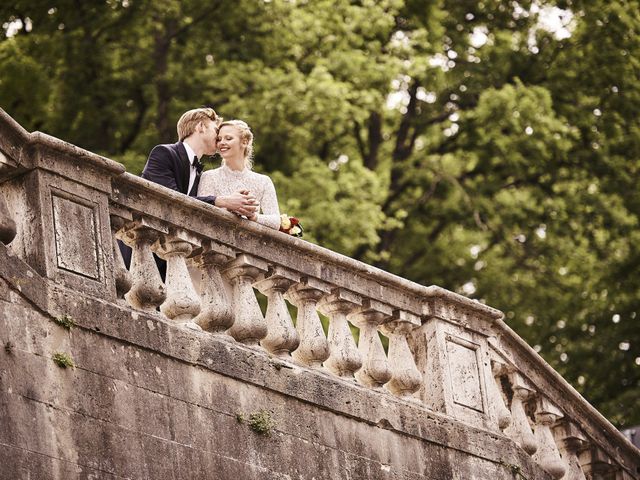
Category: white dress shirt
<point>192,172</point>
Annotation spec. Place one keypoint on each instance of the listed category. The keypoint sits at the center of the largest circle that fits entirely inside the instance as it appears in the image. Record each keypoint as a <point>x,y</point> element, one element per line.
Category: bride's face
<point>230,144</point>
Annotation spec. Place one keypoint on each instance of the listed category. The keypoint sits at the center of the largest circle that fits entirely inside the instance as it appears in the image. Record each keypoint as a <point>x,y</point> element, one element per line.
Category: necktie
<point>197,165</point>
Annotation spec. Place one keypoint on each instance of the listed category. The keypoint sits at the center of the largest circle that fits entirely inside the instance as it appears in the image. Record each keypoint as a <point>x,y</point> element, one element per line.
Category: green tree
<point>479,146</point>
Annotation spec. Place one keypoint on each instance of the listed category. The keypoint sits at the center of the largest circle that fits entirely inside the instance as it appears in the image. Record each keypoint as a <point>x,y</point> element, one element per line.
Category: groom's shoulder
<point>167,146</point>
<point>165,149</point>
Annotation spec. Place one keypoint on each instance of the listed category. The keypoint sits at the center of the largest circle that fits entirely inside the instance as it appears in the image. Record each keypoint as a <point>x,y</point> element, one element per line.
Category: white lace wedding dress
<point>224,181</point>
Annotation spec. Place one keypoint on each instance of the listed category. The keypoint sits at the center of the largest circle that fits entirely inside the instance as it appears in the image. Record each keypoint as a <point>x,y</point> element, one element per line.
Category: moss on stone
<point>65,321</point>
<point>261,422</point>
<point>63,360</point>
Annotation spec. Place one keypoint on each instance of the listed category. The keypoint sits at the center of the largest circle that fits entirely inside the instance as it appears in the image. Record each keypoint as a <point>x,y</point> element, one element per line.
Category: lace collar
<point>234,173</point>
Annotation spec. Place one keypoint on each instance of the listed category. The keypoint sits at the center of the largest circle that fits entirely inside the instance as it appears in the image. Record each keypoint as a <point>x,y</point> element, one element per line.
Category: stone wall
<point>175,381</point>
<point>147,399</point>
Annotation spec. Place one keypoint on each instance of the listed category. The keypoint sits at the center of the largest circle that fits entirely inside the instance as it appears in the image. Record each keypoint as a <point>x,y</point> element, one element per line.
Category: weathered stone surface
<point>62,231</point>
<point>7,223</point>
<point>465,374</point>
<point>456,369</point>
<point>140,404</point>
<point>74,226</point>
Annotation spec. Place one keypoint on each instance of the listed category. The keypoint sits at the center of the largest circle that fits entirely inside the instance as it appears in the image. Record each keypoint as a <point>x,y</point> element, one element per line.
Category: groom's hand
<point>242,203</point>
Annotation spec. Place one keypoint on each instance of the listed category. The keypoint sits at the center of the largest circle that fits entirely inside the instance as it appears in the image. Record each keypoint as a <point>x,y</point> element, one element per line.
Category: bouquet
<point>290,225</point>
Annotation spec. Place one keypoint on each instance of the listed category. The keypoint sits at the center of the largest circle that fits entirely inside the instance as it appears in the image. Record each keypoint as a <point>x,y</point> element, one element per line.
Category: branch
<point>356,133</point>
<point>375,140</point>
<point>137,124</point>
<point>442,223</point>
<point>323,153</point>
<point>437,119</point>
<point>400,151</point>
<point>127,14</point>
<point>411,181</point>
<point>205,15</point>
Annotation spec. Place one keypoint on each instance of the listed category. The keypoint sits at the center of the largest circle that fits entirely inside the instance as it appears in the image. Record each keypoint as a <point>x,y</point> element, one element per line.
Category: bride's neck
<point>236,164</point>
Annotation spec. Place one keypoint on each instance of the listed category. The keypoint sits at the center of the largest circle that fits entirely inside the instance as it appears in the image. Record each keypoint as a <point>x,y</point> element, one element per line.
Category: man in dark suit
<point>177,166</point>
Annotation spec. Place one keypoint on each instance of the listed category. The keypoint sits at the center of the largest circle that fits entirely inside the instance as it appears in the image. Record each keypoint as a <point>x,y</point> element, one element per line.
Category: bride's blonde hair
<point>246,135</point>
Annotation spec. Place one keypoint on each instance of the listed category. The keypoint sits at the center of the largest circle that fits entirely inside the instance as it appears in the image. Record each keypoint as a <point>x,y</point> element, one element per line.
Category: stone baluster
<point>147,291</point>
<point>344,359</point>
<point>375,371</point>
<point>216,314</point>
<point>282,337</point>
<point>182,302</point>
<point>520,429</point>
<point>621,474</point>
<point>8,228</point>
<point>571,441</point>
<point>499,410</point>
<point>547,455</point>
<point>249,326</point>
<point>624,475</point>
<point>122,277</point>
<point>598,465</point>
<point>314,347</point>
<point>405,376</point>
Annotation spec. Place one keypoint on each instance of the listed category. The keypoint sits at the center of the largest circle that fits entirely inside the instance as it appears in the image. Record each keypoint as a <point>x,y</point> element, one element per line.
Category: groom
<point>177,166</point>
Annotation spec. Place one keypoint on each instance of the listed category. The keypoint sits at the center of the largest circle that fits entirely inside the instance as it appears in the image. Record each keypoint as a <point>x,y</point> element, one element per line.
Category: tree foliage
<point>488,147</point>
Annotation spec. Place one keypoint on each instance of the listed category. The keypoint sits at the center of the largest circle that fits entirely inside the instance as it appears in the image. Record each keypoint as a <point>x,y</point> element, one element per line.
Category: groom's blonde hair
<point>189,120</point>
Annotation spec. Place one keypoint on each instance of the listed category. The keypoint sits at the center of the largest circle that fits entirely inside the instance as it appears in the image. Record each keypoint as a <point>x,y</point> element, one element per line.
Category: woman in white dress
<point>235,145</point>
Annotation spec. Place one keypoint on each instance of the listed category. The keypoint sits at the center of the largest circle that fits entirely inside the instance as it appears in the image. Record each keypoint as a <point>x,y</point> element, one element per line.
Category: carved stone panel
<point>75,231</point>
<point>464,373</point>
<point>71,223</point>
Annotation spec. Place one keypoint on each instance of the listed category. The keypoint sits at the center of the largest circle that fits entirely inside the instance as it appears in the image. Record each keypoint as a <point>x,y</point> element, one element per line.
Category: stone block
<point>63,232</point>
<point>465,373</point>
<point>74,229</point>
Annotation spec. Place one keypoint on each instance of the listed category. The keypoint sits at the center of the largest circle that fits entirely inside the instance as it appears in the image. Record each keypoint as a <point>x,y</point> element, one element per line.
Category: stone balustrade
<point>446,353</point>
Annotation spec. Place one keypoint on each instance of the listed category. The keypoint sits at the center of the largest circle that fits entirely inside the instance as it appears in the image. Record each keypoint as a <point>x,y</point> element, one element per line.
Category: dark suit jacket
<point>169,165</point>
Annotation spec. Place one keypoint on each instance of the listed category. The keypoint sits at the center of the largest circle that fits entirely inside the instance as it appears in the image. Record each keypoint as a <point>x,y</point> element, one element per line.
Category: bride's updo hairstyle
<point>246,135</point>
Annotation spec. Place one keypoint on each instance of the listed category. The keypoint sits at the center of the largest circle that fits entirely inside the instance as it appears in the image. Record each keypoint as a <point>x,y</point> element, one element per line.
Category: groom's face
<point>209,134</point>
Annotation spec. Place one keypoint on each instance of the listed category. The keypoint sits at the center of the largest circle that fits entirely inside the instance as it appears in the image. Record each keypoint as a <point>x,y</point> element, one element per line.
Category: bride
<point>235,145</point>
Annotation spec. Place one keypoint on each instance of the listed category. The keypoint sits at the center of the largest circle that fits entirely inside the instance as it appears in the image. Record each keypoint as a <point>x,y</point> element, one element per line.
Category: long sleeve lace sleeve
<point>270,216</point>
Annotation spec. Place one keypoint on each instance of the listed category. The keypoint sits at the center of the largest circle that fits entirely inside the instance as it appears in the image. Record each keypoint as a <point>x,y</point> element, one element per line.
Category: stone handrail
<point>446,353</point>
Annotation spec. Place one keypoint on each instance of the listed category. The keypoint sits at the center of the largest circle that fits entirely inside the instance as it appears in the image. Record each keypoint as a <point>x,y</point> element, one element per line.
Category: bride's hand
<point>241,202</point>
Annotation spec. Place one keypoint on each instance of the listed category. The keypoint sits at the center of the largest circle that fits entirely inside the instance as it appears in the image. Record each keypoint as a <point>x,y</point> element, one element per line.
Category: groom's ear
<point>200,127</point>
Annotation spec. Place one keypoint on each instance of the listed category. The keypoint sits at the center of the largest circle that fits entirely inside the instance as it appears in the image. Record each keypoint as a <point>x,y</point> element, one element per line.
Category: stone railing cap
<point>9,122</point>
<point>435,292</point>
<point>93,159</point>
